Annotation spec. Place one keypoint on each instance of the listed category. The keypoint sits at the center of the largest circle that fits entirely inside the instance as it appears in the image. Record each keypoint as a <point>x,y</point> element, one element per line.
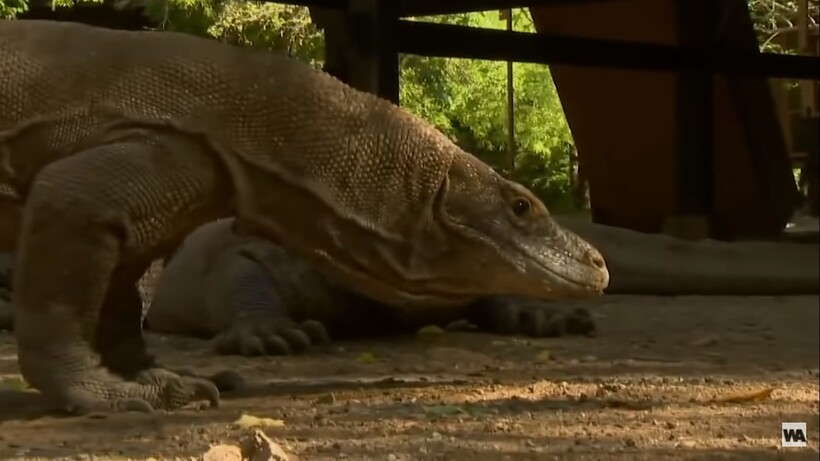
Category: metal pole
<point>806,99</point>
<point>510,105</point>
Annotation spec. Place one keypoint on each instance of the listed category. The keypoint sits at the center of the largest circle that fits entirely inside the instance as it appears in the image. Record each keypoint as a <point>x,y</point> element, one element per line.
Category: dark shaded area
<point>95,14</point>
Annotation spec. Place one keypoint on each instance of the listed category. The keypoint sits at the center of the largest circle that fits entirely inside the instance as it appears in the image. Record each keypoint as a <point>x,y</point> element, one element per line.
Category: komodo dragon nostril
<point>596,259</point>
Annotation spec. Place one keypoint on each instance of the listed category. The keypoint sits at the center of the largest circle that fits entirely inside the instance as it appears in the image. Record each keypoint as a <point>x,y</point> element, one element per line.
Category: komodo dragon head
<point>389,205</point>
<point>476,235</point>
<point>500,239</point>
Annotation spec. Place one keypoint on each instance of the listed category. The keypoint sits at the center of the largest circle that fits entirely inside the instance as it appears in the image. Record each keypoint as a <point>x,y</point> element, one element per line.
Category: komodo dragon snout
<point>504,240</point>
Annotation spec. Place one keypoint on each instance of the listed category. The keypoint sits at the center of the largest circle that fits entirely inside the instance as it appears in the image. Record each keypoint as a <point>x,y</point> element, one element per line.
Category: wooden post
<point>511,147</point>
<point>374,59</point>
<point>807,108</point>
<point>334,24</point>
<point>695,168</point>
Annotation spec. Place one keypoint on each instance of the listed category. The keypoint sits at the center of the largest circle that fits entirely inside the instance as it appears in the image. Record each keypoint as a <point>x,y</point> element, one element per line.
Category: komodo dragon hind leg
<point>86,216</point>
<point>262,324</point>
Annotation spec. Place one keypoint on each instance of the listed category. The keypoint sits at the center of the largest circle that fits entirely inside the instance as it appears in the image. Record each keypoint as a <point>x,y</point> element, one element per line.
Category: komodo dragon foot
<point>518,315</point>
<point>69,375</point>
<point>77,311</point>
<point>269,334</point>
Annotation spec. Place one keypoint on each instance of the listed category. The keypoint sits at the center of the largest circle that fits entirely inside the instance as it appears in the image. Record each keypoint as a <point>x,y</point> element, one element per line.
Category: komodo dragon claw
<point>266,334</point>
<point>95,389</point>
<point>177,391</point>
<point>518,315</point>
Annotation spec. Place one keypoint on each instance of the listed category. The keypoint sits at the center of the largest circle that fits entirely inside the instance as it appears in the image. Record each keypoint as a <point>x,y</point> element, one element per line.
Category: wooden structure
<point>675,125</point>
<point>798,104</point>
<point>690,153</point>
<point>796,101</point>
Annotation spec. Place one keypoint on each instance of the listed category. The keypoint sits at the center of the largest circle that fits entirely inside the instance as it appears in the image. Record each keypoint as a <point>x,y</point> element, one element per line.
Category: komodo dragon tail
<point>662,265</point>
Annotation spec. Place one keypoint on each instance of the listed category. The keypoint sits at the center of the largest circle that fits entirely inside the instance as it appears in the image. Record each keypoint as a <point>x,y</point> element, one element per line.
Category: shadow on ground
<point>650,386</point>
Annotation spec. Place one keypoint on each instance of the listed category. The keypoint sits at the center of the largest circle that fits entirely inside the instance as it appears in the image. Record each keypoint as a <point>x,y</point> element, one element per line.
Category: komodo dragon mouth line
<point>552,280</point>
<point>592,287</point>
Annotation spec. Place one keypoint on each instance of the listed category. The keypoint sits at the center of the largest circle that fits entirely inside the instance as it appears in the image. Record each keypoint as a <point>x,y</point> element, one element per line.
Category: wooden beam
<point>373,56</point>
<point>445,40</point>
<point>694,153</point>
<point>412,8</point>
<point>806,93</point>
<point>335,4</point>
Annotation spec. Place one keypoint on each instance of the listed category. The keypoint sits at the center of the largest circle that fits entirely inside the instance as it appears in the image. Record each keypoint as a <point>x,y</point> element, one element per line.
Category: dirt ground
<point>649,386</point>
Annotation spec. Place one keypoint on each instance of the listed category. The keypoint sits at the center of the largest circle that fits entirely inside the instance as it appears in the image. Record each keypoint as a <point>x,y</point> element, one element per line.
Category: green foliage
<point>771,15</point>
<point>466,99</point>
<point>278,27</point>
<point>11,8</point>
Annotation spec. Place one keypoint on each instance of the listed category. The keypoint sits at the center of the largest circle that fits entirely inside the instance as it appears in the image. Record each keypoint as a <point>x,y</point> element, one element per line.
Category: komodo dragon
<point>119,144</point>
<point>228,286</point>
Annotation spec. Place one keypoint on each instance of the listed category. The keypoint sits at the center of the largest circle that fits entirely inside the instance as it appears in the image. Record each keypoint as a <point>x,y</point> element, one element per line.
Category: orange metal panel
<point>624,123</point>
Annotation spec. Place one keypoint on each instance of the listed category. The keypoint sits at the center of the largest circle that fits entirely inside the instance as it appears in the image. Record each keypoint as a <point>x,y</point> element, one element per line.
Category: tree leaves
<point>466,99</point>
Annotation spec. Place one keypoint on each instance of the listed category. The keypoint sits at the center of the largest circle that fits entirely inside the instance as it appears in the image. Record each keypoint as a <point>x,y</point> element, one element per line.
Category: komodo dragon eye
<point>520,206</point>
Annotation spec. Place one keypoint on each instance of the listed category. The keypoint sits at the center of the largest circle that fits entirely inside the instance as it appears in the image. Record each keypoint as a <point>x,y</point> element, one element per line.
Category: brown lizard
<point>245,291</point>
<point>121,143</point>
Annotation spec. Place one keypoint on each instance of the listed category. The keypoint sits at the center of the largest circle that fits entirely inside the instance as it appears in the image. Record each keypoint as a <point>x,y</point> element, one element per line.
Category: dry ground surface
<point>651,385</point>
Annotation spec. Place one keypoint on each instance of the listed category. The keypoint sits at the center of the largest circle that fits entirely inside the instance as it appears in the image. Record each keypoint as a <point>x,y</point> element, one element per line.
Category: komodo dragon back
<point>361,187</point>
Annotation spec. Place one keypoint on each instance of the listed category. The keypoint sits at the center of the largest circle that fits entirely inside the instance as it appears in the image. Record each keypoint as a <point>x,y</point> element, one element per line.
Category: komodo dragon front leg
<point>92,222</point>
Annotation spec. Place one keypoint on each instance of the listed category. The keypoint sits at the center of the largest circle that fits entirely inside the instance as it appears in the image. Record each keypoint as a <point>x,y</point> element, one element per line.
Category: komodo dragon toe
<point>270,335</point>
<point>517,315</point>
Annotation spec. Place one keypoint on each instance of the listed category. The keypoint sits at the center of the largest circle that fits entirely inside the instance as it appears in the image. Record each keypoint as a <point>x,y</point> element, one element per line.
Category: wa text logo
<point>793,435</point>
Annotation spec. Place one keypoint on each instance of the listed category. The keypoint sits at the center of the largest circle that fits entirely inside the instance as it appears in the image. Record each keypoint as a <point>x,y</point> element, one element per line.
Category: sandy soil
<point>649,386</point>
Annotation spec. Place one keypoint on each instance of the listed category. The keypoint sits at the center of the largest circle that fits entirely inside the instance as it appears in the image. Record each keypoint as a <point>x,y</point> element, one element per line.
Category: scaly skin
<point>147,135</point>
